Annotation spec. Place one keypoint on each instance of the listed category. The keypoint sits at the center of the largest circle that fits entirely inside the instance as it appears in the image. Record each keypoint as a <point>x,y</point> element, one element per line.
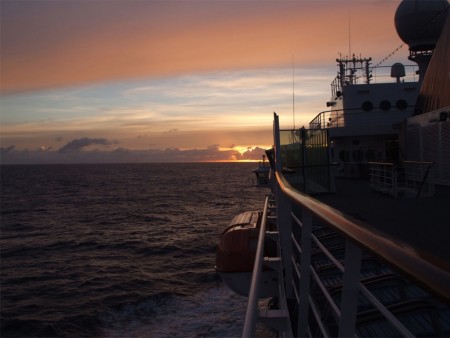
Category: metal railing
<point>408,178</point>
<point>379,74</point>
<point>336,118</point>
<point>252,305</point>
<point>328,119</point>
<point>357,237</point>
<point>311,291</point>
<point>327,296</point>
<point>278,318</point>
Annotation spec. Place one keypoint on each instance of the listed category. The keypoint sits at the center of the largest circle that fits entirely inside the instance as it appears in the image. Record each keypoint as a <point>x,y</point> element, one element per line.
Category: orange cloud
<point>51,44</point>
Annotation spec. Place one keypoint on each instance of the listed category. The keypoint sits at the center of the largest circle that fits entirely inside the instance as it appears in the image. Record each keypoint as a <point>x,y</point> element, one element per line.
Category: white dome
<point>419,22</point>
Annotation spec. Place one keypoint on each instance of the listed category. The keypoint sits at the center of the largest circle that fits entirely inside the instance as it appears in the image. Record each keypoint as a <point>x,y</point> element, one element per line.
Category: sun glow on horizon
<point>232,161</point>
<point>244,149</point>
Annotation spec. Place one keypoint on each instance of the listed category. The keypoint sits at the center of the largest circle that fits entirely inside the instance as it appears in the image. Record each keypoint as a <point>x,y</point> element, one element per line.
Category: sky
<point>163,81</point>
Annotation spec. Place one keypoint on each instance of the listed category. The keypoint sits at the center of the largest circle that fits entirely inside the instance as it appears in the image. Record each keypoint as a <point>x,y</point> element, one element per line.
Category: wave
<point>109,250</point>
<point>215,312</point>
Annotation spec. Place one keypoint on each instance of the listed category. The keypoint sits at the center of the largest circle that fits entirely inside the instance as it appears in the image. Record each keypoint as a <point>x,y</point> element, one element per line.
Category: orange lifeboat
<point>237,246</point>
<point>235,255</point>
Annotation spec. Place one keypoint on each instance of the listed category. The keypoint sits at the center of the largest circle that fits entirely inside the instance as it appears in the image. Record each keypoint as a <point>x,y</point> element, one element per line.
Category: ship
<point>261,172</point>
<point>352,239</point>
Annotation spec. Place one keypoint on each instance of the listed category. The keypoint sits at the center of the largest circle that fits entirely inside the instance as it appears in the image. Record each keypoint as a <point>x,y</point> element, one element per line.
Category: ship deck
<point>422,222</point>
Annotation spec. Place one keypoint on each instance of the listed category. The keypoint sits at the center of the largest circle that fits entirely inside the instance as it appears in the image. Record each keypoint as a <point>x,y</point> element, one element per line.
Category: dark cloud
<point>5,150</point>
<point>78,144</point>
<point>44,148</point>
<point>73,152</point>
<point>253,154</point>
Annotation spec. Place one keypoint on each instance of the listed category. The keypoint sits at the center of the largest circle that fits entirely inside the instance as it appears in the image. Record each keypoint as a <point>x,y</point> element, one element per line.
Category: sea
<point>119,250</point>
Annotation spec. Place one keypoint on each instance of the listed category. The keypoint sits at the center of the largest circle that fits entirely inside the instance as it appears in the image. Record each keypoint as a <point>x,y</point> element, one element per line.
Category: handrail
<point>402,329</point>
<point>253,297</point>
<point>401,177</point>
<point>430,272</point>
<point>407,162</point>
<point>334,118</point>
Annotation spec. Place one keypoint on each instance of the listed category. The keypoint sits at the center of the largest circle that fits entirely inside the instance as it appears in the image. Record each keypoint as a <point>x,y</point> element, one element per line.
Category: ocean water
<point>114,250</point>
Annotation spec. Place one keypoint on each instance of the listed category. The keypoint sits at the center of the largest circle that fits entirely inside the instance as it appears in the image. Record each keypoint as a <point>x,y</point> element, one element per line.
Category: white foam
<point>216,312</point>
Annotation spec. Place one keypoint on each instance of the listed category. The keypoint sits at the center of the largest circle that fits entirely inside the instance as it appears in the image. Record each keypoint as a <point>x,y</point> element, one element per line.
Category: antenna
<point>293,91</point>
<point>349,38</point>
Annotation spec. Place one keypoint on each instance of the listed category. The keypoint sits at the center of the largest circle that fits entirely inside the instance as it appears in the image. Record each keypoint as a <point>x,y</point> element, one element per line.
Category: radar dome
<point>419,22</point>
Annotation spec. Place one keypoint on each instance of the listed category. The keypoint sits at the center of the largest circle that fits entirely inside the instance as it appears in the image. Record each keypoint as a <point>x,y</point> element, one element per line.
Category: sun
<point>247,153</point>
<point>250,148</point>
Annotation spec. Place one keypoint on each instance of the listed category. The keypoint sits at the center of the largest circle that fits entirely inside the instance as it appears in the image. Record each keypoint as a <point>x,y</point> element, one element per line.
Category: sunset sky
<point>186,80</point>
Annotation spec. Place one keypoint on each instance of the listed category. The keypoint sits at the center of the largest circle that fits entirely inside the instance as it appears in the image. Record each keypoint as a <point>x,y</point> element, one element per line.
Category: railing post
<point>276,137</point>
<point>394,180</point>
<point>284,225</point>
<point>284,218</point>
<point>350,290</point>
<point>253,297</point>
<point>305,263</point>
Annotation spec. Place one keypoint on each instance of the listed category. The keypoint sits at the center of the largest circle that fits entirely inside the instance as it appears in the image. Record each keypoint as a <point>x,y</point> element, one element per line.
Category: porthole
<point>401,104</point>
<point>385,105</point>
<point>367,106</point>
